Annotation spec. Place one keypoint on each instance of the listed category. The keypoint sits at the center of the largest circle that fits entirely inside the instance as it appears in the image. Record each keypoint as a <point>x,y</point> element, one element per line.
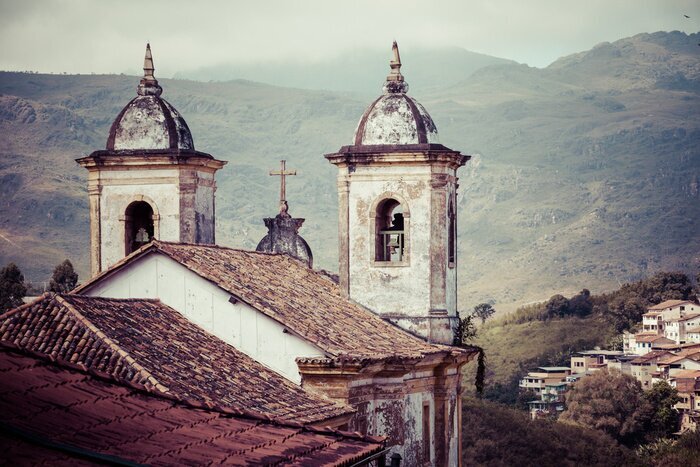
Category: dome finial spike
<point>149,84</point>
<point>394,81</point>
<point>148,67</point>
<point>395,64</point>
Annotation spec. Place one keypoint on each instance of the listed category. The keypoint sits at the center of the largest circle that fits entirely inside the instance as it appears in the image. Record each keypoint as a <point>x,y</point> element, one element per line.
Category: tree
<point>64,278</point>
<point>611,402</point>
<point>663,417</point>
<point>483,311</point>
<point>557,306</point>
<point>581,305</point>
<point>12,287</point>
<point>466,330</point>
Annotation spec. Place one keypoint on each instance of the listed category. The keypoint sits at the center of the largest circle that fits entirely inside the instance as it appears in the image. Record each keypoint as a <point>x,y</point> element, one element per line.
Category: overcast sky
<point>82,36</point>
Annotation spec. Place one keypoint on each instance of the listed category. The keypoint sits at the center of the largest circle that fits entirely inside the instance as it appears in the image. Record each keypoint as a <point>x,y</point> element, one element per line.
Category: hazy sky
<point>109,36</point>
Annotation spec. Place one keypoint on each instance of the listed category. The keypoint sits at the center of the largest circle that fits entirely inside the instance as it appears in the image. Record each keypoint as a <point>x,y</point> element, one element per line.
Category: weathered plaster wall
<point>420,293</point>
<point>208,306</point>
<point>119,188</point>
<point>205,221</point>
<point>393,406</point>
<point>388,288</point>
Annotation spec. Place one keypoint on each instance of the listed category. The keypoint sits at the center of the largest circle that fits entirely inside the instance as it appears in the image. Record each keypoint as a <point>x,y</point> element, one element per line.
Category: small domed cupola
<point>149,122</point>
<point>395,118</point>
<point>149,183</point>
<point>283,229</point>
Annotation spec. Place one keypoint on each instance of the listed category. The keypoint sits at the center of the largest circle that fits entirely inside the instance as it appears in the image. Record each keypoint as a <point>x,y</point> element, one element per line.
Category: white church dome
<point>395,118</point>
<point>149,122</point>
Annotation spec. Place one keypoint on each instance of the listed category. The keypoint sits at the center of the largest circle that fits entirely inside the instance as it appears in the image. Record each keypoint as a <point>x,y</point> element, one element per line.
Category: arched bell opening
<point>139,225</point>
<point>390,241</point>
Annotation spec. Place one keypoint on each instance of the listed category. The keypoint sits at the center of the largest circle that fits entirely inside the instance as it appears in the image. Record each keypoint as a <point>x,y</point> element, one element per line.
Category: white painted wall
<point>205,304</point>
<point>122,187</point>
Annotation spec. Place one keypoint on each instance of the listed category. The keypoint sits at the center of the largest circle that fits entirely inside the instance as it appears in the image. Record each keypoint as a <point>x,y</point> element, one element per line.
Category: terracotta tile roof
<point>305,301</point>
<point>693,330</point>
<point>60,413</point>
<point>688,317</point>
<point>686,374</point>
<point>146,342</point>
<point>651,356</point>
<point>669,304</point>
<point>670,359</point>
<point>651,338</point>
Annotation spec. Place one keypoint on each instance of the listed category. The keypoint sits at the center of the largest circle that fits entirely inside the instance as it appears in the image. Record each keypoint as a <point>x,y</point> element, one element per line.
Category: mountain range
<point>585,173</point>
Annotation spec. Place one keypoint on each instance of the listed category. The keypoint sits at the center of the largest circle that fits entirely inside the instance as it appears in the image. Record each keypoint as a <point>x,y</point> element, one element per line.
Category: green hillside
<point>585,173</point>
<point>514,348</point>
<point>494,435</point>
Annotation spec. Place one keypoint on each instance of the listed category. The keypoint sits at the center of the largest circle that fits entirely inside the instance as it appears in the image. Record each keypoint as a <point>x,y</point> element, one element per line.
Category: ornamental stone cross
<point>283,180</point>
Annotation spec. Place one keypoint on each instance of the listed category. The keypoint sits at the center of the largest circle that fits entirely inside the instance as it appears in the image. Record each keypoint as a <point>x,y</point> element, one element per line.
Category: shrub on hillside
<point>685,451</point>
<point>615,404</point>
<point>494,435</point>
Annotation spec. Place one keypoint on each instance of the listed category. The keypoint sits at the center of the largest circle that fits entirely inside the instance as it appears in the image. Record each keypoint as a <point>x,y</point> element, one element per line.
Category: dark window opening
<point>391,237</point>
<point>452,234</point>
<point>138,226</point>
<point>426,432</point>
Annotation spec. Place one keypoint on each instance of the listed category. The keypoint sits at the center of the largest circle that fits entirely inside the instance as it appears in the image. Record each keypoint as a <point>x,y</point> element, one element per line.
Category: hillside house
<point>645,367</point>
<point>591,360</point>
<point>676,328</point>
<point>687,382</point>
<point>692,335</point>
<point>648,342</point>
<point>669,319</point>
<point>537,380</point>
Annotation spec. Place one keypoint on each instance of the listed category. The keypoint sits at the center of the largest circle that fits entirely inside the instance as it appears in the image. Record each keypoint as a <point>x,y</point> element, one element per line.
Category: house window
<point>138,225</point>
<point>391,238</point>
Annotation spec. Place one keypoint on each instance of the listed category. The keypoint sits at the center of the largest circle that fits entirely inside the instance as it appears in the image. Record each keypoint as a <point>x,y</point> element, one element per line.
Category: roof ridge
<point>24,306</point>
<point>110,343</point>
<point>224,247</point>
<point>226,411</point>
<point>106,299</point>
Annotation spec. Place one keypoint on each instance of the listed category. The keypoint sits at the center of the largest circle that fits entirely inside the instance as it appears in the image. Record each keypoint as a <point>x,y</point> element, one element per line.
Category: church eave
<point>106,158</point>
<point>409,154</point>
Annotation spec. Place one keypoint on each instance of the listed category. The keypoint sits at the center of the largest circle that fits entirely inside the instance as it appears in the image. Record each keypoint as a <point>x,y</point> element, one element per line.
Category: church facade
<point>377,345</point>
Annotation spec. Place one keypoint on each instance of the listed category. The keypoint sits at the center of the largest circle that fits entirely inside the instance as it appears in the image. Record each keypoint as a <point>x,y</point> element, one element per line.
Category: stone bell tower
<point>149,182</point>
<point>397,192</point>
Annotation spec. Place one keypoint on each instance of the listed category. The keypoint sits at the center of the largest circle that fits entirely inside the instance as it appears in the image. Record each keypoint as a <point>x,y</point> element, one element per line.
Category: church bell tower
<point>149,183</point>
<point>397,192</point>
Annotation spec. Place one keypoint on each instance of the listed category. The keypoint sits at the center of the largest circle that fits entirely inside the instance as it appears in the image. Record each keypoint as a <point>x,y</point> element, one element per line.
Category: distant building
<point>550,383</point>
<point>537,380</point>
<point>645,343</point>
<point>676,328</point>
<point>644,367</point>
<point>592,360</point>
<point>687,383</point>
